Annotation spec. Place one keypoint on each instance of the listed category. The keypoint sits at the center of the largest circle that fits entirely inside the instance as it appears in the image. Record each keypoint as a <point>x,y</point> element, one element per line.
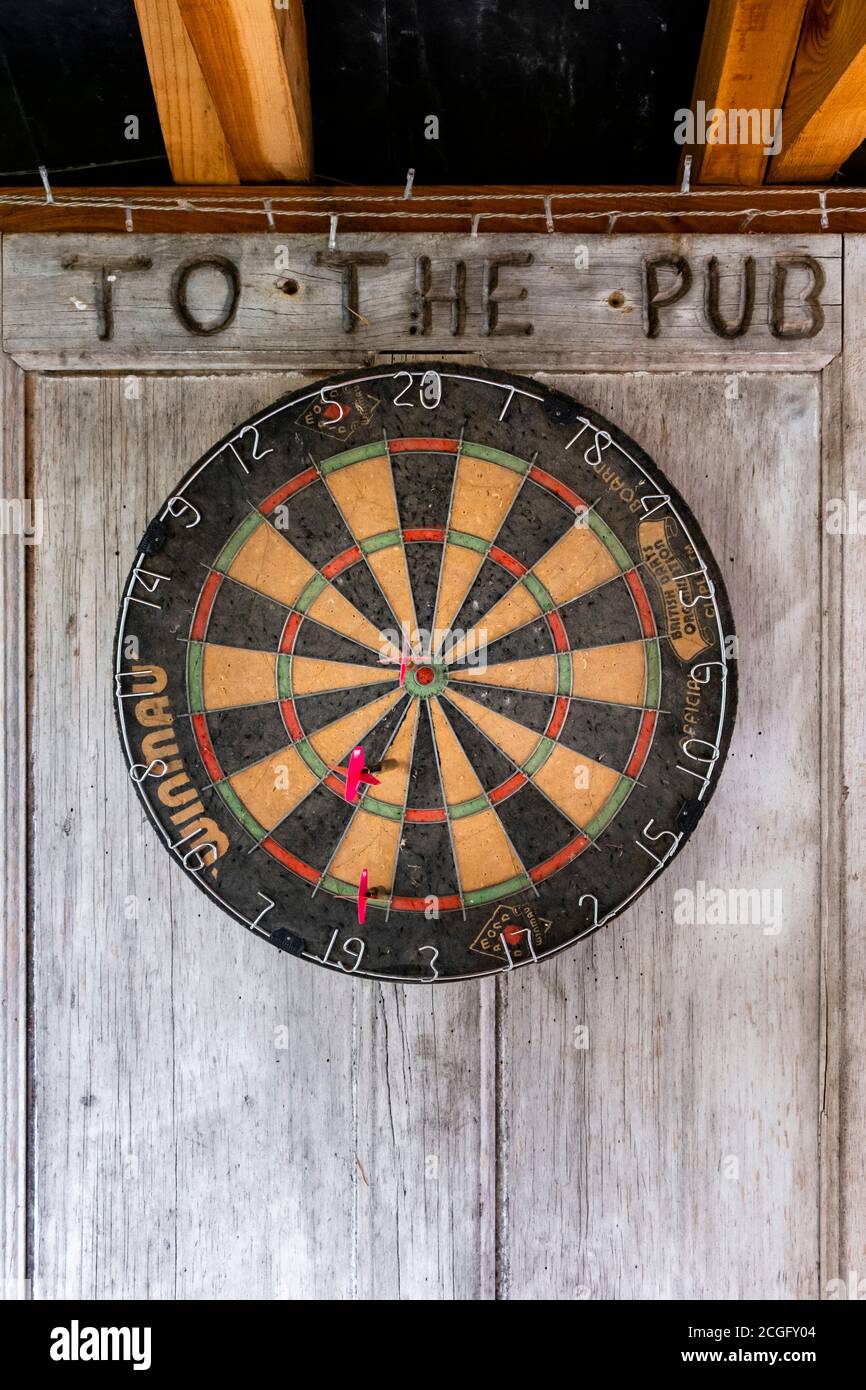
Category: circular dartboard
<point>424,673</point>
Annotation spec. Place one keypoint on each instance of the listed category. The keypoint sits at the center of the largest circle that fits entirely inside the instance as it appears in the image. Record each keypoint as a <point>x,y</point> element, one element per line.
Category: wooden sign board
<point>107,301</point>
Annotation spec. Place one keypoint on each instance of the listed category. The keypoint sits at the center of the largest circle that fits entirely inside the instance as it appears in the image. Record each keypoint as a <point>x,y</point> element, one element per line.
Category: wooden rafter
<point>825,107</point>
<point>254,61</point>
<point>746,57</point>
<point>195,141</point>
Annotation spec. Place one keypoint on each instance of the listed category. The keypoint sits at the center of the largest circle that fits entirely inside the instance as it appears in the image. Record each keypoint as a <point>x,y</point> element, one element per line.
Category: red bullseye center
<point>424,675</point>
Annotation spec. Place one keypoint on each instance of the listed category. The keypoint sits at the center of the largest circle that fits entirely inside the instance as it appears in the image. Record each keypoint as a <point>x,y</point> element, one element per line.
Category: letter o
<point>180,280</point>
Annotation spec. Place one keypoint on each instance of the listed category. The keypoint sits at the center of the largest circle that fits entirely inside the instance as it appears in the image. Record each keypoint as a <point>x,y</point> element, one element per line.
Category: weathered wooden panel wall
<point>211,1119</point>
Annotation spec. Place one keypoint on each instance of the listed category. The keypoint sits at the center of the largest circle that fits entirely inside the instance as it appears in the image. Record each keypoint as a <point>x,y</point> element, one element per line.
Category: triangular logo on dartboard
<point>512,923</point>
<point>339,418</point>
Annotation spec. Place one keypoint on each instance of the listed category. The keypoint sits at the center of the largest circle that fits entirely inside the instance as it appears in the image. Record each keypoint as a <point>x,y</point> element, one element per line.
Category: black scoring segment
<point>377,743</point>
<point>424,561</point>
<point>491,584</point>
<point>314,526</point>
<point>240,617</point>
<point>317,711</point>
<point>314,835</point>
<point>491,766</point>
<point>426,868</point>
<point>535,523</point>
<point>601,617</point>
<point>425,786</point>
<point>358,586</point>
<point>246,735</point>
<point>604,733</point>
<point>535,827</point>
<point>532,640</point>
<point>532,710</point>
<point>422,484</point>
<point>322,644</point>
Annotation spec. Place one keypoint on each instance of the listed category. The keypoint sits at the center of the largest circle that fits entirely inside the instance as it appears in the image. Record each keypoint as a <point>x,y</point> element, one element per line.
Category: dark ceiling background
<point>524,91</point>
<point>71,71</point>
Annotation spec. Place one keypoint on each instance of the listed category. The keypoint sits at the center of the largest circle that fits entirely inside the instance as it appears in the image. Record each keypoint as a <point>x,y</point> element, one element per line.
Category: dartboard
<point>424,672</point>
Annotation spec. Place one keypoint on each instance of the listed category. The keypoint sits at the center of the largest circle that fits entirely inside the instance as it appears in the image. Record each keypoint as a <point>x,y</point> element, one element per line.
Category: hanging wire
<point>577,204</point>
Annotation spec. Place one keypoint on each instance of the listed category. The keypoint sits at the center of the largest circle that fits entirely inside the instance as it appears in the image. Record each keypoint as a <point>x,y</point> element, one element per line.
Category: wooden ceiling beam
<point>825,107</point>
<point>195,141</point>
<point>744,66</point>
<point>254,61</point>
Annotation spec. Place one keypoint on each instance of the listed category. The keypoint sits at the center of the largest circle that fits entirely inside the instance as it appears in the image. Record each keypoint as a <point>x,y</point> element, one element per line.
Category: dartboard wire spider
<point>573,822</point>
<point>491,543</point>
<point>436,707</point>
<point>351,530</point>
<point>452,491</point>
<point>447,817</point>
<point>359,804</point>
<point>561,606</point>
<point>287,607</point>
<point>403,696</point>
<point>545,555</point>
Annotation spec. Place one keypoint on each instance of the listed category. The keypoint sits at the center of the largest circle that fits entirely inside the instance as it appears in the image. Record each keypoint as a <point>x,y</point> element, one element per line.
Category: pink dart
<point>353,776</point>
<point>362,897</point>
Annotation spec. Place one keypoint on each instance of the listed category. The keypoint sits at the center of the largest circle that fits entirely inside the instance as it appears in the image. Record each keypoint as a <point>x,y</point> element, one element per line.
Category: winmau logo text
<point>75,1343</point>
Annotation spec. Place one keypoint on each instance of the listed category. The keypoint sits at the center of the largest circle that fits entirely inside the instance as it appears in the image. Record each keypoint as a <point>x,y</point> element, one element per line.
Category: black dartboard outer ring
<point>532,781</point>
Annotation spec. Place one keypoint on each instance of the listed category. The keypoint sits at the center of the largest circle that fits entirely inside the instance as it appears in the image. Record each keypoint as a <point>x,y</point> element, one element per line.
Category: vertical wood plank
<point>833,887</point>
<point>847,988</point>
<point>677,1156</point>
<point>13,831</point>
<point>422,1217</point>
<point>192,1091</point>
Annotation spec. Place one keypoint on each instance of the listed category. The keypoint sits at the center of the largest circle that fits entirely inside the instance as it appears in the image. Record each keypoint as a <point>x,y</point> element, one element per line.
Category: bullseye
<point>427,679</point>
